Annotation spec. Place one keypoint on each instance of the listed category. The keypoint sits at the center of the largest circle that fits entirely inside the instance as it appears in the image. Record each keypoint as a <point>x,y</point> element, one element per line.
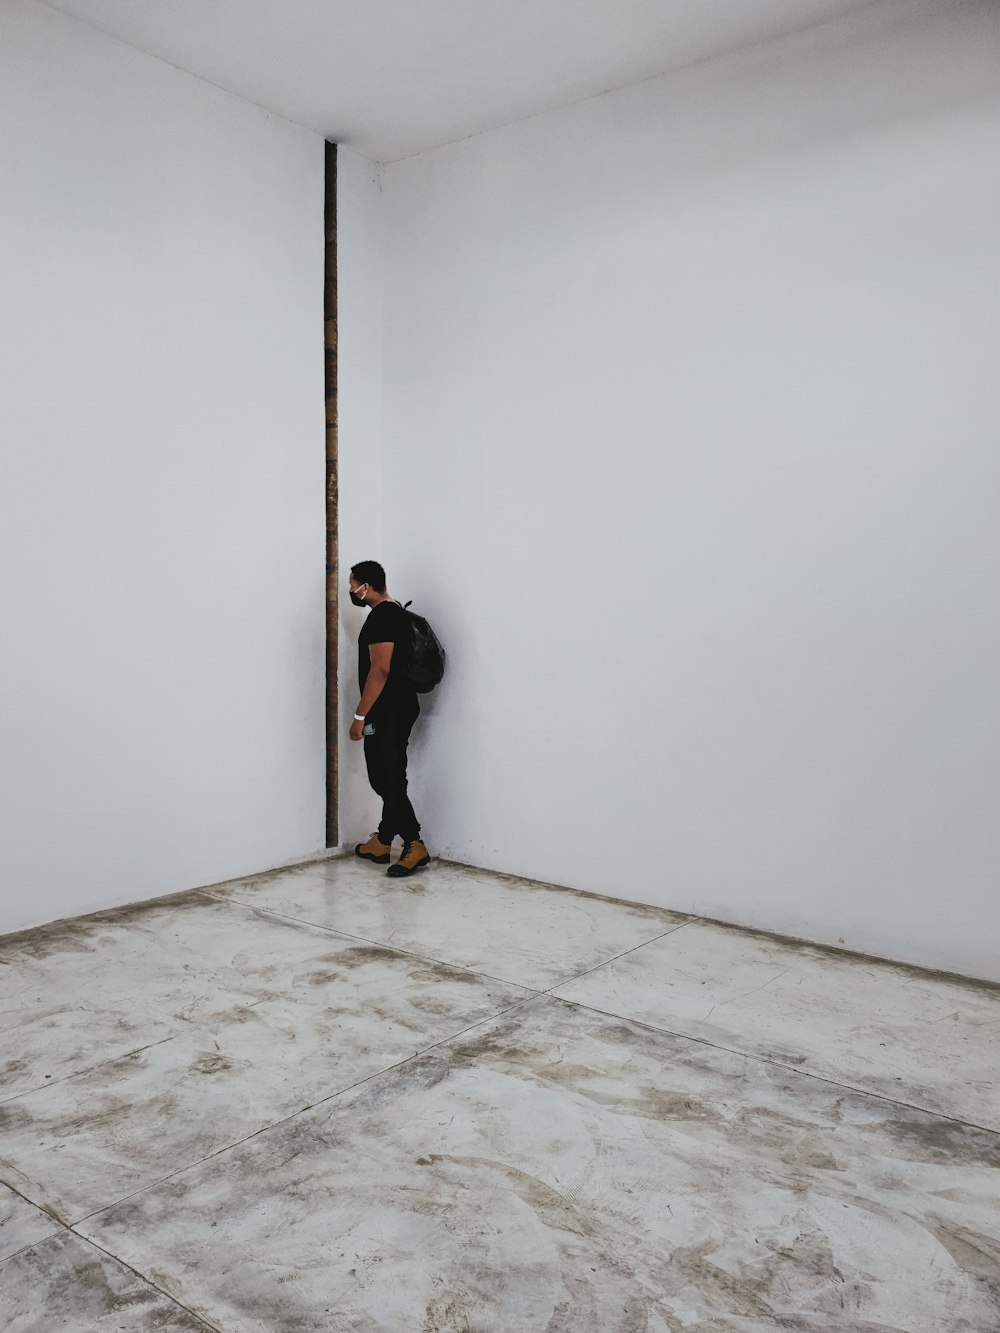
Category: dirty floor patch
<point>322,1129</point>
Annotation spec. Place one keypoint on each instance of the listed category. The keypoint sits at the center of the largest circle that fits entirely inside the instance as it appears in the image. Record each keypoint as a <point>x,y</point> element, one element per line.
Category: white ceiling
<point>393,77</point>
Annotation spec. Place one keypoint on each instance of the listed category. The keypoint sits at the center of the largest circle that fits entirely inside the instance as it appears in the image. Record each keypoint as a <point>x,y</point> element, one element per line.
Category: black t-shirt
<point>387,623</point>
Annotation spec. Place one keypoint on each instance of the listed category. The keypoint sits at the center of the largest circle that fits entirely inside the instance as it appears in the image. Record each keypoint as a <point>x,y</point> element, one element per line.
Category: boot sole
<point>368,856</point>
<point>400,872</point>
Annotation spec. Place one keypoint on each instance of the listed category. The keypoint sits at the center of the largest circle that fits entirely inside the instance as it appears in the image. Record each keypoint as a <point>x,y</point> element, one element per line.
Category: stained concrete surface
<point>281,1123</point>
<point>896,1032</point>
<point>467,917</point>
<point>21,1223</point>
<point>66,1283</point>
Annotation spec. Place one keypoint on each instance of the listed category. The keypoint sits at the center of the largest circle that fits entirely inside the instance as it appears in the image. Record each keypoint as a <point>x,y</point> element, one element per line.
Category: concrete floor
<point>325,1100</point>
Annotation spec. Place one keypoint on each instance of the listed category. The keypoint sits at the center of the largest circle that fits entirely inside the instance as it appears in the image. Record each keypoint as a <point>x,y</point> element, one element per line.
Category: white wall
<point>691,451</point>
<point>162,529</point>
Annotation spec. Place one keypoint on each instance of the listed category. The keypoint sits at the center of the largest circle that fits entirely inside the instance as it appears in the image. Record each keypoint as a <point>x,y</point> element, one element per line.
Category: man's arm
<point>378,674</point>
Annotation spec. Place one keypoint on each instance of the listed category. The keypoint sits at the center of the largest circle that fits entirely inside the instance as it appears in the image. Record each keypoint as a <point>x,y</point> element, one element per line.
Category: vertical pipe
<point>332,562</point>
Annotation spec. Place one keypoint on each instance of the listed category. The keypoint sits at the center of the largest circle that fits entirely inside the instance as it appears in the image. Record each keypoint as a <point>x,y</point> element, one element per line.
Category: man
<point>384,718</point>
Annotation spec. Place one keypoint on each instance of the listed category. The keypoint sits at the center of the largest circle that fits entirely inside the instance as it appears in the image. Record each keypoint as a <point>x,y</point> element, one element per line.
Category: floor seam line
<point>390,948</point>
<point>341,1092</point>
<point>778,1064</point>
<point>44,1240</point>
<point>90,1069</point>
<point>443,962</point>
<point>147,1280</point>
<point>41,1207</point>
<point>568,981</point>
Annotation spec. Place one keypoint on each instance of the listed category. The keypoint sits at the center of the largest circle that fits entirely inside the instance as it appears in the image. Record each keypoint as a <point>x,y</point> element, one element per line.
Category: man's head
<point>367,578</point>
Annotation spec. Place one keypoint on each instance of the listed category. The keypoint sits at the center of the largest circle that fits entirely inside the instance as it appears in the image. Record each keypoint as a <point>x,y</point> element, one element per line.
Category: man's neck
<point>382,597</point>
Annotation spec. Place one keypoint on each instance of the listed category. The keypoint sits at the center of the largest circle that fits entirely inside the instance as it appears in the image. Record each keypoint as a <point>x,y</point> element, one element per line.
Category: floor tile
<point>67,1284</point>
<point>923,1039</point>
<point>531,934</point>
<point>21,1223</point>
<point>565,1171</point>
<point>103,1134</point>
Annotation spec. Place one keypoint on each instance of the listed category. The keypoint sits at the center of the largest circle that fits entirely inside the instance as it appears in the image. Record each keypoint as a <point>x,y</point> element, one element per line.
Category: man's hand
<point>357,730</point>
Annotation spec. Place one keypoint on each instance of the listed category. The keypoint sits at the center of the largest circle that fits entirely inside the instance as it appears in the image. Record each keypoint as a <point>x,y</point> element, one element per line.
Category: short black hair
<point>370,572</point>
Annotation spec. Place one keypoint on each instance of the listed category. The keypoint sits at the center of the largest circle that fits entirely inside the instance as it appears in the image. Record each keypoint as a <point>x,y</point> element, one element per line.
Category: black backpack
<point>426,659</point>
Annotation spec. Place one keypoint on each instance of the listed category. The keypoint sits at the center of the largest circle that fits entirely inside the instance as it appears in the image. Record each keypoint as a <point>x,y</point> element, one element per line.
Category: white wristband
<point>359,717</point>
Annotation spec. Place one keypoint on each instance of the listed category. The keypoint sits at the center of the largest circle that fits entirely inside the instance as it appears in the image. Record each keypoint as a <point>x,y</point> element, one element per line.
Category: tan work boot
<point>415,857</point>
<point>374,850</point>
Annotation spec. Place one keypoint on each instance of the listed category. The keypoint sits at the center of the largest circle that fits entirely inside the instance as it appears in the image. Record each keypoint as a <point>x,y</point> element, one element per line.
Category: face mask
<point>358,601</point>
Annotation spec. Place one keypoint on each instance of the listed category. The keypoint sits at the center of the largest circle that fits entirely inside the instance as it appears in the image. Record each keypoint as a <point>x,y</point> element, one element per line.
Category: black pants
<point>385,755</point>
